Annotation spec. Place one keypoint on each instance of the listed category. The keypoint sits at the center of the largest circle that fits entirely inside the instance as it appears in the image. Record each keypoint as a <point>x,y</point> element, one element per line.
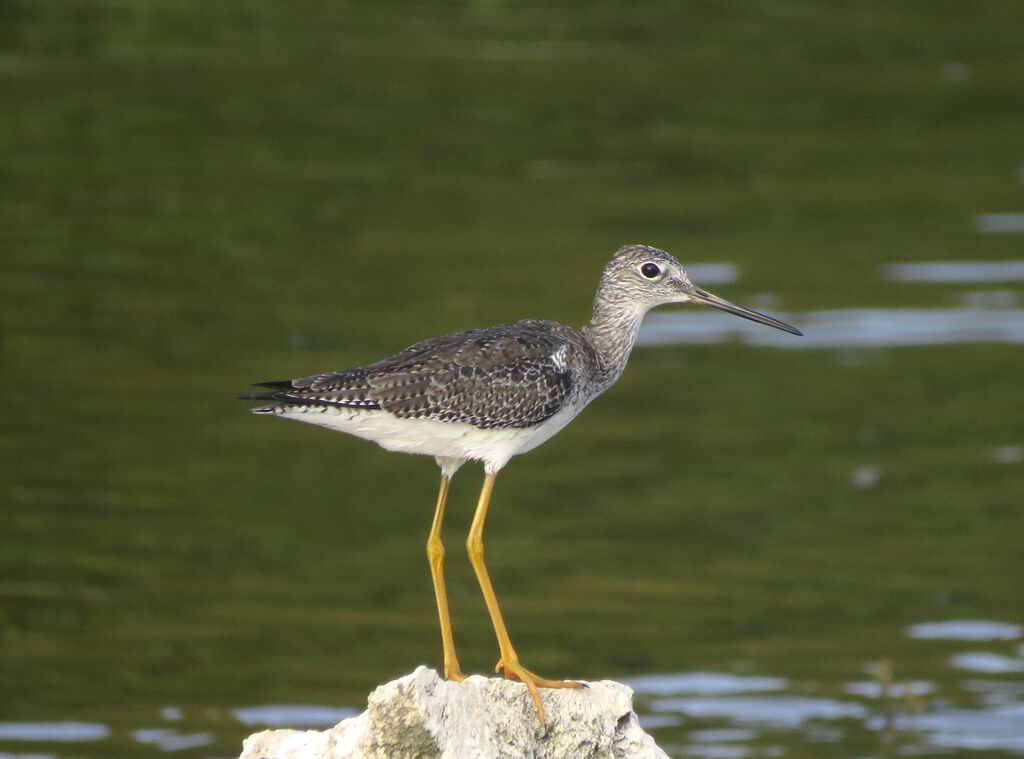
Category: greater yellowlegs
<point>489,394</point>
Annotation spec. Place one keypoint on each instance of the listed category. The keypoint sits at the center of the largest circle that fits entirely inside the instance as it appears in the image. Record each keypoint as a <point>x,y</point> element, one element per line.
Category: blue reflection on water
<point>59,732</point>
<point>996,724</point>
<point>956,271</point>
<point>999,223</point>
<point>171,740</point>
<point>713,274</point>
<point>843,328</point>
<point>875,689</point>
<point>988,662</point>
<point>966,629</point>
<point>704,683</point>
<point>988,317</point>
<point>724,712</point>
<point>765,711</point>
<point>995,728</point>
<point>292,715</point>
<point>729,715</point>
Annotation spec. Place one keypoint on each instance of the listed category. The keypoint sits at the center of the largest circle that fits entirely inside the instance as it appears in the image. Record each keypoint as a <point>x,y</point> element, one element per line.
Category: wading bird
<point>489,394</point>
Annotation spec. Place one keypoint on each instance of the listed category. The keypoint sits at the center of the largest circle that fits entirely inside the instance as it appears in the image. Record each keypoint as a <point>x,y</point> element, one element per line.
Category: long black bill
<point>708,299</point>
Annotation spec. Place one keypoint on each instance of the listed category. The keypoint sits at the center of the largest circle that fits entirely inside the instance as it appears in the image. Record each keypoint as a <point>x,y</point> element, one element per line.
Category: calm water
<point>787,552</point>
<point>717,714</point>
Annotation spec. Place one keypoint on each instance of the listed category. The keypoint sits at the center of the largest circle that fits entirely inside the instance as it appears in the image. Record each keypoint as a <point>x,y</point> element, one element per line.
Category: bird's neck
<point>612,333</point>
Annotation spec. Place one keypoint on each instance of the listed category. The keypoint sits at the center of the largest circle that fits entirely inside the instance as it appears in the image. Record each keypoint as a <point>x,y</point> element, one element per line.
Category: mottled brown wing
<point>512,375</point>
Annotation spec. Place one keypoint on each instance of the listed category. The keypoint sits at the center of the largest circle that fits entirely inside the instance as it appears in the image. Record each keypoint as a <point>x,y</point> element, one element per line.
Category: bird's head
<point>649,277</point>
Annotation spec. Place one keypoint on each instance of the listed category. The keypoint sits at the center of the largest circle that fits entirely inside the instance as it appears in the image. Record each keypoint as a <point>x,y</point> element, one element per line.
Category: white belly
<point>429,437</point>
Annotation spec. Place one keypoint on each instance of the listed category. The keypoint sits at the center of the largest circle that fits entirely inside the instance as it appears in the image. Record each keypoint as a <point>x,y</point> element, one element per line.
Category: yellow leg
<point>435,555</point>
<point>509,661</point>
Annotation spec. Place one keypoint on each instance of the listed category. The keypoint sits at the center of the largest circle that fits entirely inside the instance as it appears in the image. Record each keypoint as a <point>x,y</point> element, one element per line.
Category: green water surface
<point>195,196</point>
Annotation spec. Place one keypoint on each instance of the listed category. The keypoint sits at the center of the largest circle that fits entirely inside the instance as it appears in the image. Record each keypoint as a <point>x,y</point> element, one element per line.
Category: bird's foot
<point>453,673</point>
<point>515,671</point>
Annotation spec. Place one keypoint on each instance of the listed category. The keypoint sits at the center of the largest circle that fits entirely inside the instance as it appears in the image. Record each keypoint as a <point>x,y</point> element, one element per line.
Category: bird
<point>490,394</point>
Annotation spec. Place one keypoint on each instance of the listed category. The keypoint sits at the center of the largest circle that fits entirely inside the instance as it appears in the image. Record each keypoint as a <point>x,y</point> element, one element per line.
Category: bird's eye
<point>651,271</point>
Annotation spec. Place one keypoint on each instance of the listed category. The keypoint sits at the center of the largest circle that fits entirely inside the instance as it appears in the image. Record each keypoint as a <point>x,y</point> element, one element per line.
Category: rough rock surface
<point>421,716</point>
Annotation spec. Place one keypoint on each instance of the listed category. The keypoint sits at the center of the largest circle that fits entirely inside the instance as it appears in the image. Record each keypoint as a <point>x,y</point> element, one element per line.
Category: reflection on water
<point>999,223</point>
<point>987,317</point>
<point>966,629</point>
<point>164,739</point>
<point>956,271</point>
<point>865,477</point>
<point>878,689</point>
<point>717,714</point>
<point>985,661</point>
<point>765,711</point>
<point>844,328</point>
<point>704,683</point>
<point>1008,454</point>
<point>61,732</point>
<point>292,715</point>
<point>722,715</point>
<point>172,740</point>
<point>897,712</point>
<point>997,728</point>
<point>713,274</point>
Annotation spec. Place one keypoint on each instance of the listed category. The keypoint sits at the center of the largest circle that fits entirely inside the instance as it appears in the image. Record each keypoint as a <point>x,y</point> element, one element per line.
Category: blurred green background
<point>195,196</point>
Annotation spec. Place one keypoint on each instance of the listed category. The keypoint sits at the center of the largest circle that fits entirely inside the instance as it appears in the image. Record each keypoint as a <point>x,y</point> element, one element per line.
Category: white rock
<point>422,716</point>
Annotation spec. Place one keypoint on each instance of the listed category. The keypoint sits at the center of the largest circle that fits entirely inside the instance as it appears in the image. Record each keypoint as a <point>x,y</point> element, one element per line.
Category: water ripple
<point>842,328</point>
<point>704,683</point>
<point>59,732</point>
<point>965,629</point>
<point>766,711</point>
